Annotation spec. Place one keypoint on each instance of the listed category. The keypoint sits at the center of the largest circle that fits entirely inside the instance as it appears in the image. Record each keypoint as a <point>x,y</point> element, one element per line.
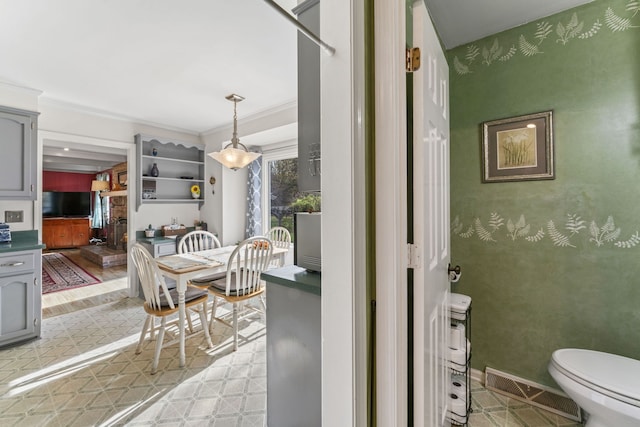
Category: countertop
<point>295,277</point>
<point>155,240</point>
<point>22,241</point>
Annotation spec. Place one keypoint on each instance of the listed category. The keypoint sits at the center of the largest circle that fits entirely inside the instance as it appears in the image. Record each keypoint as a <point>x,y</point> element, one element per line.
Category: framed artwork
<point>518,148</point>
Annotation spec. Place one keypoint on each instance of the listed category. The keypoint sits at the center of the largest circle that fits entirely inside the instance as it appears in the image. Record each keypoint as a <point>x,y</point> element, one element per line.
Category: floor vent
<point>534,394</point>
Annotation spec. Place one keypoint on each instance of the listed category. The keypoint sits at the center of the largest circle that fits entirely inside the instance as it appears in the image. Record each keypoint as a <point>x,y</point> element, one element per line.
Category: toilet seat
<point>615,376</point>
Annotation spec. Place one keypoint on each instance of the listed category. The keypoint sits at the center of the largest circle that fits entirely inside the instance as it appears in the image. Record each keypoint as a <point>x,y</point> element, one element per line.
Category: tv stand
<point>60,233</point>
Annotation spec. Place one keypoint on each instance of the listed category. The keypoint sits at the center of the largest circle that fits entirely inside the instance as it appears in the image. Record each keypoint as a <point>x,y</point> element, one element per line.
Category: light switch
<point>13,216</point>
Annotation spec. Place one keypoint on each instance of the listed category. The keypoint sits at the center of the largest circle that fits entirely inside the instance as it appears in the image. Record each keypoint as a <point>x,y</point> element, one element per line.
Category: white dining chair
<point>242,281</point>
<point>198,240</point>
<point>159,301</point>
<point>281,238</point>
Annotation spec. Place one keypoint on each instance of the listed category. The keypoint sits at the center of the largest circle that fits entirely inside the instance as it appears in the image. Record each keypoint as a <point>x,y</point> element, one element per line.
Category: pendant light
<point>235,155</point>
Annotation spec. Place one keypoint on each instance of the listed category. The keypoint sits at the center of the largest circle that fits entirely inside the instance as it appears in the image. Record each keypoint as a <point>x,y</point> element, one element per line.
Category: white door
<point>431,224</point>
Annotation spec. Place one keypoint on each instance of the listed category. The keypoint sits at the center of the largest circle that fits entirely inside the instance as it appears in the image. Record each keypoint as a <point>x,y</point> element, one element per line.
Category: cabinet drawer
<point>166,249</point>
<point>16,263</point>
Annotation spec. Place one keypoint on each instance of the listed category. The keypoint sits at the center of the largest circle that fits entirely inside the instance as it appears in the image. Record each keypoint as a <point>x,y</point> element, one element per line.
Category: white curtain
<point>100,206</point>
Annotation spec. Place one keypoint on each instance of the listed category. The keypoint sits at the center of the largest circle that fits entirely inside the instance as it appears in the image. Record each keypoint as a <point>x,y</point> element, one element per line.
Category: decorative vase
<point>154,152</point>
<point>154,170</point>
<point>195,195</point>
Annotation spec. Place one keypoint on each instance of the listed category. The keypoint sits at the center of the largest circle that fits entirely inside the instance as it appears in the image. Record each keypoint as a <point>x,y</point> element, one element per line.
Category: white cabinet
<point>179,165</point>
<point>20,290</point>
<point>18,130</point>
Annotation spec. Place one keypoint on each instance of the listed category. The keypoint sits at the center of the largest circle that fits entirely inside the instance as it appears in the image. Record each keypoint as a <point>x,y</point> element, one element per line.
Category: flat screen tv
<point>66,204</point>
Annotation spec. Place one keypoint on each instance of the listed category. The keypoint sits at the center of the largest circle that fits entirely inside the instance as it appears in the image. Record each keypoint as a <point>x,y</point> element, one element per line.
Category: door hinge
<point>414,256</point>
<point>412,59</point>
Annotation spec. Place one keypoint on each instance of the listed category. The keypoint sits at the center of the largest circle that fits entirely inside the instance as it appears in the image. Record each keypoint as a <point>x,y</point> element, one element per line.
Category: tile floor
<point>84,372</point>
<point>492,409</point>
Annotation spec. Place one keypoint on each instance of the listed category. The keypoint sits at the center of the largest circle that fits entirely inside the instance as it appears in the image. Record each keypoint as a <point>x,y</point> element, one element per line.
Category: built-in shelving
<point>180,165</point>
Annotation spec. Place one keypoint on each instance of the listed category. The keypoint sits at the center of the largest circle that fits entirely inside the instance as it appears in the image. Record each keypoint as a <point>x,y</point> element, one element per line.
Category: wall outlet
<point>13,216</point>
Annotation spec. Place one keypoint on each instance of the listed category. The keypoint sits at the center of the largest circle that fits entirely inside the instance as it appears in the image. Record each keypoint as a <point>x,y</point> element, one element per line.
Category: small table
<point>184,267</point>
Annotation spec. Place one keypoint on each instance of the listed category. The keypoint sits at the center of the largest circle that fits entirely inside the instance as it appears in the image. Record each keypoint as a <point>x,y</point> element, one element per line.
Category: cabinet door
<point>63,237</point>
<point>17,321</point>
<point>48,235</point>
<point>80,233</point>
<point>309,146</point>
<point>18,139</point>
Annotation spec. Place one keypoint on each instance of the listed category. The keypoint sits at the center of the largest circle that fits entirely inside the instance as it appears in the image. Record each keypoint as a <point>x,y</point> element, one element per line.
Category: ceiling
<point>170,63</point>
<point>463,21</point>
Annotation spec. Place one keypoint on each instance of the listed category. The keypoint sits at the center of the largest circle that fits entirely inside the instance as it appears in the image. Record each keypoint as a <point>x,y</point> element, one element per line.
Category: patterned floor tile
<point>84,372</point>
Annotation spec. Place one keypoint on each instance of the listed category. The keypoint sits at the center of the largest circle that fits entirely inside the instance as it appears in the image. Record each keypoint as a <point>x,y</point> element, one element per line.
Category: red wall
<point>66,181</point>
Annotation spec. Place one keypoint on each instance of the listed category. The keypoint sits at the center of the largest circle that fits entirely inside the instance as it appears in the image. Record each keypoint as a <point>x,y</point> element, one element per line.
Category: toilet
<point>606,386</point>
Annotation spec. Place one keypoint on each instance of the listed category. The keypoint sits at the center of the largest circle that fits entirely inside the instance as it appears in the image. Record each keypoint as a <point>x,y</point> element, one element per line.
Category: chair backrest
<point>198,240</point>
<point>246,264</point>
<point>280,237</point>
<point>150,278</point>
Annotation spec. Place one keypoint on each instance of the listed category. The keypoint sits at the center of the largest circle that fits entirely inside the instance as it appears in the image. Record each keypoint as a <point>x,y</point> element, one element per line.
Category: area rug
<point>59,273</point>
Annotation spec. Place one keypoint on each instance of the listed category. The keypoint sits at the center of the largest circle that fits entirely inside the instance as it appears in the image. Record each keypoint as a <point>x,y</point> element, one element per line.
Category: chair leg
<point>152,325</point>
<point>205,326</point>
<point>189,323</point>
<point>235,326</point>
<point>213,313</point>
<point>143,333</point>
<point>156,356</point>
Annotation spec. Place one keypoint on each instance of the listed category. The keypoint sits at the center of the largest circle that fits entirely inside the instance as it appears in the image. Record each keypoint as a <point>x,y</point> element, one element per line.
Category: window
<point>283,180</point>
<point>280,187</point>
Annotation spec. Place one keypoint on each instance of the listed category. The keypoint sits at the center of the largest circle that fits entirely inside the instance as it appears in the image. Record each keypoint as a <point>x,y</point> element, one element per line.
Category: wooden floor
<point>114,286</point>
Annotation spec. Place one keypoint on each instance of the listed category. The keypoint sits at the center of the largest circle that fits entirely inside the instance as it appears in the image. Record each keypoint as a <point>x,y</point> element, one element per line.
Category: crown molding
<point>77,108</point>
<point>5,84</point>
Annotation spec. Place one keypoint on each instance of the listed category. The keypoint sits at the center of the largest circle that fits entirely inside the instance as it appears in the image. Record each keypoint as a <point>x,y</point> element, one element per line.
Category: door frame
<point>90,142</point>
<point>391,213</point>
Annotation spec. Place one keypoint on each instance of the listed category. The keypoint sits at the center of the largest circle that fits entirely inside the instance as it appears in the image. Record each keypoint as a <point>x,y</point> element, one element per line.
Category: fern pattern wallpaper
<point>552,263</point>
<point>545,31</point>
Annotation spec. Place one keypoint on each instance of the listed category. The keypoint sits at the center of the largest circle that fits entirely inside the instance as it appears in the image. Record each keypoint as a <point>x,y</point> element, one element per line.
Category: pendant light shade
<point>235,155</point>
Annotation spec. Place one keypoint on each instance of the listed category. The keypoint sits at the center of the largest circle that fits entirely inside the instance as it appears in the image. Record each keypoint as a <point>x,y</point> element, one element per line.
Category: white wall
<point>161,214</point>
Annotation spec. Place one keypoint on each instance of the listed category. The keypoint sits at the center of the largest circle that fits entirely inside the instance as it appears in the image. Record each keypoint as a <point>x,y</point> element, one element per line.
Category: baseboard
<point>535,394</point>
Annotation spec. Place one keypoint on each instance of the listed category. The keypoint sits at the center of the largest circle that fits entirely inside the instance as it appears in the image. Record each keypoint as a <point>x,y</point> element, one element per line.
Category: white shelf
<point>169,159</point>
<point>174,160</point>
<point>162,178</point>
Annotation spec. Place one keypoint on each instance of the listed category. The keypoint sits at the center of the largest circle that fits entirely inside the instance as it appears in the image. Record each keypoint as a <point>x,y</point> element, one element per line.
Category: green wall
<point>555,263</point>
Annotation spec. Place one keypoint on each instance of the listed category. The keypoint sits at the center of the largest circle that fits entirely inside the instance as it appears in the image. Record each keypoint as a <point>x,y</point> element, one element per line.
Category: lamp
<point>99,185</point>
<point>231,156</point>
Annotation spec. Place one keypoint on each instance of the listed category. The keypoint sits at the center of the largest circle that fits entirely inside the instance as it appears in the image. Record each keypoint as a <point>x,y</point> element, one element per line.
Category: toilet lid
<point>613,375</point>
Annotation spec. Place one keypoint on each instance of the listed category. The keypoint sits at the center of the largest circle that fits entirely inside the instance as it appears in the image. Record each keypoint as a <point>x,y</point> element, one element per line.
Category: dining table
<point>186,266</point>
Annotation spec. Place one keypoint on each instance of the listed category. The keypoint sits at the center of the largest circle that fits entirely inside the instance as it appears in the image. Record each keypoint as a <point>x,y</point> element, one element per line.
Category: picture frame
<point>518,148</point>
